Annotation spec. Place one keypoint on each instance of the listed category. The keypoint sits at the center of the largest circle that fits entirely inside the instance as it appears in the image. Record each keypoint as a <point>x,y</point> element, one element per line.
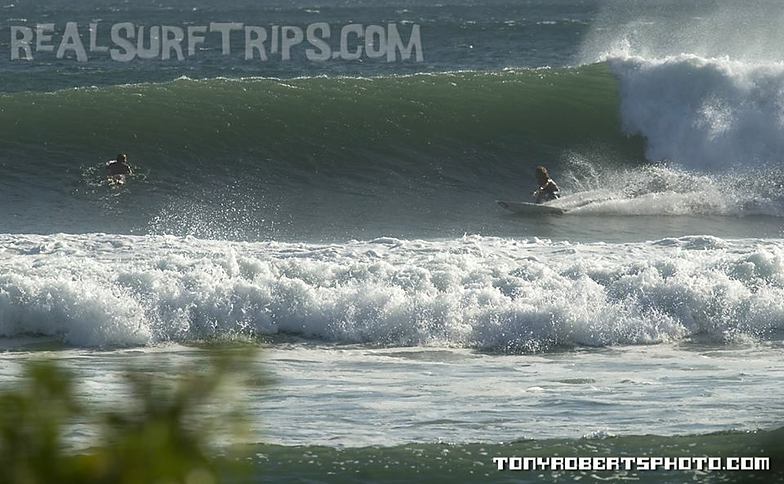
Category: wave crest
<point>708,114</point>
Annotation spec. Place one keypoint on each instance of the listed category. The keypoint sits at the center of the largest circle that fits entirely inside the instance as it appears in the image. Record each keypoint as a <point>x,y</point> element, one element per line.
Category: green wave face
<point>414,125</point>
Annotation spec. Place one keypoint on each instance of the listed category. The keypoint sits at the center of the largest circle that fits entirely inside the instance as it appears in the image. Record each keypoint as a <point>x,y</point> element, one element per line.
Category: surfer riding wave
<point>548,190</point>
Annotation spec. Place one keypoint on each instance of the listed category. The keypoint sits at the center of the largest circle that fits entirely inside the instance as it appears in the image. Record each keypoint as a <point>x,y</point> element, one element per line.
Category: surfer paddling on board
<point>548,190</point>
<point>118,169</point>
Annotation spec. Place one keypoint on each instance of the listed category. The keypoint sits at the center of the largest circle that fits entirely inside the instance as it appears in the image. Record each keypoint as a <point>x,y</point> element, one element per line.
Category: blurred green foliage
<point>163,434</point>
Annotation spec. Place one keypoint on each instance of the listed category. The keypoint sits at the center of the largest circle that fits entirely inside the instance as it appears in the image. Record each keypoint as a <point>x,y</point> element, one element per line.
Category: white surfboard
<point>531,208</point>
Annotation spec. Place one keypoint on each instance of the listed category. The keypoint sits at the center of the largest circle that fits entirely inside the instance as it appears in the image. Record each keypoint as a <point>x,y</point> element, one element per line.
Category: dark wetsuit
<point>547,193</point>
<point>116,168</point>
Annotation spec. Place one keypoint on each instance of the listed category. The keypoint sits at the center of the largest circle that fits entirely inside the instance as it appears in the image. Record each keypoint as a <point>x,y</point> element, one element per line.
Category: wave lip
<point>491,294</point>
<point>706,113</point>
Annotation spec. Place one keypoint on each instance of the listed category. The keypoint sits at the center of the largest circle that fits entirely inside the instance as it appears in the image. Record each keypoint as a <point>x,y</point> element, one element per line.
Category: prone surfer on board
<point>547,190</point>
<point>118,169</point>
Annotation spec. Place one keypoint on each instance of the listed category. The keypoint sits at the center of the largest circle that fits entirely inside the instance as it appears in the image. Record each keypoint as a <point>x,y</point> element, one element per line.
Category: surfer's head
<point>122,158</point>
<point>541,175</point>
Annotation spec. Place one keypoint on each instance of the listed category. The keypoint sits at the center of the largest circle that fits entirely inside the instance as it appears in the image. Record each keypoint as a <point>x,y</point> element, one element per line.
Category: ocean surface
<point>341,216</point>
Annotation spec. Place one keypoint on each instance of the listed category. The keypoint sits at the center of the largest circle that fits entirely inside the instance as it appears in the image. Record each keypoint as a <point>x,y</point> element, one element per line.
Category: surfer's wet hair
<point>122,157</point>
<point>541,173</point>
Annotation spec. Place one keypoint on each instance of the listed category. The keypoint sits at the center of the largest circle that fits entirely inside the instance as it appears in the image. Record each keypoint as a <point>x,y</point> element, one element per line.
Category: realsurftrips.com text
<point>126,42</point>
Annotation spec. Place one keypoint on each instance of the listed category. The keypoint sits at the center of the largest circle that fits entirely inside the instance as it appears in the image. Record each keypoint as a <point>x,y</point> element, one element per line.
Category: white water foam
<point>662,189</point>
<point>704,113</point>
<point>495,294</point>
